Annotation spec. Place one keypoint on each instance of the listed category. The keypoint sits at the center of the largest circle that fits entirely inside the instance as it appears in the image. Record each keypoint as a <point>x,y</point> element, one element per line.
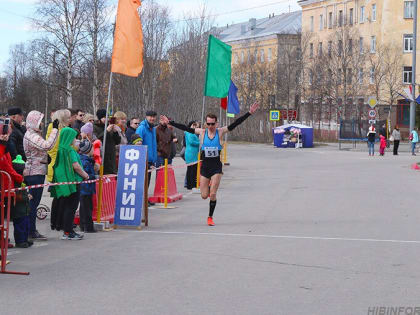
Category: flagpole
<point>202,111</point>
<point>101,170</point>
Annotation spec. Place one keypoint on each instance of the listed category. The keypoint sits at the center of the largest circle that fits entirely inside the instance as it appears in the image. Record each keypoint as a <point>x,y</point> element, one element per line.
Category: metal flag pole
<point>101,170</point>
<point>413,103</point>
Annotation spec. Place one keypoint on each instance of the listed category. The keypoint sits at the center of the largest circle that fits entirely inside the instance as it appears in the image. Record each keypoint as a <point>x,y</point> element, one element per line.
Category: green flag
<point>219,58</point>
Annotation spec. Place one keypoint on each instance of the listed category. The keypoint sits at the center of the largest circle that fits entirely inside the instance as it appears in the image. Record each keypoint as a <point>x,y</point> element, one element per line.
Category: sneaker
<point>37,237</point>
<point>22,245</point>
<point>10,245</point>
<point>73,236</point>
<point>210,221</point>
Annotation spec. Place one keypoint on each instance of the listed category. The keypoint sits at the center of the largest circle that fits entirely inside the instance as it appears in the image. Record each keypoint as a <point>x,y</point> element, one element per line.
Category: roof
<point>286,23</point>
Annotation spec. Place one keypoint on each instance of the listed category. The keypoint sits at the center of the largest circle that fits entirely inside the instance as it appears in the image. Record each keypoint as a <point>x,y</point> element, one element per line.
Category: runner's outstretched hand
<point>254,107</point>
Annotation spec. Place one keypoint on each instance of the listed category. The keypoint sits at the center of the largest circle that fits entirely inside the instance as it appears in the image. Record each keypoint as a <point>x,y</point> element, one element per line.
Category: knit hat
<point>101,113</point>
<point>14,111</point>
<point>135,138</point>
<point>18,164</point>
<point>87,128</point>
<point>85,146</point>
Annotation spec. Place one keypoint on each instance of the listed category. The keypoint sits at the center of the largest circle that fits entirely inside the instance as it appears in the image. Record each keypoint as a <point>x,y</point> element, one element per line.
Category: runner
<point>210,145</point>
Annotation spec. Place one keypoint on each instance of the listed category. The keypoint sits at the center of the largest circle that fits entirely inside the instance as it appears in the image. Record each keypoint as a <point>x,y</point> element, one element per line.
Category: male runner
<point>211,139</point>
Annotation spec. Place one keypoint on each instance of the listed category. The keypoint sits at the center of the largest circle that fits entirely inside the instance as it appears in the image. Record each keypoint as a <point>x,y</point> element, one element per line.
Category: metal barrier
<point>5,222</point>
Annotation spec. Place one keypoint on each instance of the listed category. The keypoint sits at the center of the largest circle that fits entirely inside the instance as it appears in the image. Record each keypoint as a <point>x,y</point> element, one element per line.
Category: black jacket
<point>15,144</point>
<point>129,133</point>
<point>112,140</point>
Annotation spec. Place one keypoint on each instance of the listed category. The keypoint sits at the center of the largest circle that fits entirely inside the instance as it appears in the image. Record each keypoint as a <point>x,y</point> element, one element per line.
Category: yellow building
<point>259,49</point>
<point>379,23</point>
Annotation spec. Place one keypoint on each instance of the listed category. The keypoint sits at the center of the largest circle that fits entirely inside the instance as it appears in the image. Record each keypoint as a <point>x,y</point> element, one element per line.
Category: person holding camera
<point>36,166</point>
<point>112,140</point>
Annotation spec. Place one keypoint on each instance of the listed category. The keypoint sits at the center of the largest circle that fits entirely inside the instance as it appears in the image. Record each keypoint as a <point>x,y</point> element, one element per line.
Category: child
<point>87,190</point>
<point>136,139</point>
<point>67,168</point>
<point>20,209</point>
<point>382,145</point>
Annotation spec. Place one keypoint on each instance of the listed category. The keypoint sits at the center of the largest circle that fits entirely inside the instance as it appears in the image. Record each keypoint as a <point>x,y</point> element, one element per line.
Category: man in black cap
<point>112,140</point>
<point>15,144</point>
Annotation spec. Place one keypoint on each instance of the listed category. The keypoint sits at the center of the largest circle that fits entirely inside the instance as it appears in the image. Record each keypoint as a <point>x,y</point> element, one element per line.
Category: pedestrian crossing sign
<point>274,115</point>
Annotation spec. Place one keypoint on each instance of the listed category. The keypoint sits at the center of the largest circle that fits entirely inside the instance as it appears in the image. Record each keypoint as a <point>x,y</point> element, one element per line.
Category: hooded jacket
<point>148,134</point>
<point>36,148</point>
<point>63,168</point>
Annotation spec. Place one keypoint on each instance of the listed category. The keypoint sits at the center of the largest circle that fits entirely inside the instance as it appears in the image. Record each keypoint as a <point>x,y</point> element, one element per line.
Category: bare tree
<point>63,22</point>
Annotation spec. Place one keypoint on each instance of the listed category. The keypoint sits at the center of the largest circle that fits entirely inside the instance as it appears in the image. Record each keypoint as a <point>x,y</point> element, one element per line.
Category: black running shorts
<point>210,168</point>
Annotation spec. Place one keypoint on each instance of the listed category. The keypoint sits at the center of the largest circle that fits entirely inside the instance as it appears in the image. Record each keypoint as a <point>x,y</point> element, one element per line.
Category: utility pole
<point>413,103</point>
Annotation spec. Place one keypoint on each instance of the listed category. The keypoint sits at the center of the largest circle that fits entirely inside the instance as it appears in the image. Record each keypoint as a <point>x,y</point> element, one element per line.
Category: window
<point>329,49</point>
<point>297,77</point>
<point>311,50</point>
<point>361,45</point>
<point>320,49</point>
<point>362,14</point>
<point>340,47</point>
<point>330,20</point>
<point>408,42</point>
<point>372,75</point>
<point>361,76</point>
<point>298,54</point>
<point>340,18</point>
<point>321,22</point>
<point>312,24</point>
<point>408,9</point>
<point>236,58</point>
<point>408,75</point>
<point>373,44</point>
<point>373,12</point>
<point>339,76</point>
<point>311,77</point>
<point>329,79</point>
<point>349,75</point>
<point>351,16</point>
<point>242,56</point>
<point>350,48</point>
<point>269,55</point>
<point>262,57</point>
<point>249,57</point>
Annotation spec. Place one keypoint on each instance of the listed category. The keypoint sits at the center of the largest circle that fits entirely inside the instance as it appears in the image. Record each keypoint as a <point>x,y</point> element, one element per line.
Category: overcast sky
<point>16,28</point>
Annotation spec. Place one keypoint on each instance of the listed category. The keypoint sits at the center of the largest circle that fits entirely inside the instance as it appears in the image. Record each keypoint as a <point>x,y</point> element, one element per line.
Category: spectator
<point>382,145</point>
<point>89,118</point>
<point>136,139</point>
<point>87,132</point>
<point>36,167</point>
<point>192,143</point>
<point>396,137</point>
<point>112,140</point>
<point>414,138</point>
<point>147,132</point>
<point>371,139</point>
<point>134,124</point>
<point>15,144</point>
<point>63,116</point>
<point>20,210</point>
<point>68,168</point>
<point>164,139</point>
<point>121,125</point>
<point>87,190</point>
<point>78,121</point>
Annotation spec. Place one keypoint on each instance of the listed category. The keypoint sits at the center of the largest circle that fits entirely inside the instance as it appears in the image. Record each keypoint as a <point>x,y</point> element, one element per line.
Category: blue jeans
<point>413,147</point>
<point>36,194</point>
<point>161,161</point>
<point>371,146</point>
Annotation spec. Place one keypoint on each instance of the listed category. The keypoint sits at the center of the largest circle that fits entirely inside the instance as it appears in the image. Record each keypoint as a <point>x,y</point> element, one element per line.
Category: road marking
<point>316,238</point>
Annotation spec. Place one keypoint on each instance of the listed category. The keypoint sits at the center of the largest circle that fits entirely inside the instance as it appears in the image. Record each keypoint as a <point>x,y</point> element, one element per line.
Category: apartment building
<point>379,23</point>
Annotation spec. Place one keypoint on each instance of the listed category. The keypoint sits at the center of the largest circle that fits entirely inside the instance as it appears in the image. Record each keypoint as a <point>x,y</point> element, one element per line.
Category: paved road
<point>315,231</point>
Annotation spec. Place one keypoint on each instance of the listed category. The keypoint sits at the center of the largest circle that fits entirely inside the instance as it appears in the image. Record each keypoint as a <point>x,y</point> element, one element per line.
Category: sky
<point>15,26</point>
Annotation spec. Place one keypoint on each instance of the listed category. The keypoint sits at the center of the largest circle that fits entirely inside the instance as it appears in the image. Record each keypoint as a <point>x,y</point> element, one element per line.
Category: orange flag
<point>127,53</point>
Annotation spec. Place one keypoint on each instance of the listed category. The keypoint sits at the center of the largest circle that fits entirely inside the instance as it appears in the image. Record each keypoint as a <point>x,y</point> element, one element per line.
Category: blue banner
<point>130,185</point>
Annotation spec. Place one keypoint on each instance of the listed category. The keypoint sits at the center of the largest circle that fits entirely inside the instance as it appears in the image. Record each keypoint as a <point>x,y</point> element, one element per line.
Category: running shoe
<point>72,236</point>
<point>210,221</point>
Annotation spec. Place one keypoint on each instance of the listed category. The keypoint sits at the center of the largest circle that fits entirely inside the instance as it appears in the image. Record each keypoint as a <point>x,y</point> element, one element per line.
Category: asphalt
<point>298,231</point>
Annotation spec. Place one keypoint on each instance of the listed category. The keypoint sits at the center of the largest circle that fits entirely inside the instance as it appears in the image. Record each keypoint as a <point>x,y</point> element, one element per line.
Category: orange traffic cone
<point>159,193</point>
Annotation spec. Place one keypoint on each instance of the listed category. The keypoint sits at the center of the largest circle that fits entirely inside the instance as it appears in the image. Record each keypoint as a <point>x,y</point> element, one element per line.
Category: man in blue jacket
<point>147,132</point>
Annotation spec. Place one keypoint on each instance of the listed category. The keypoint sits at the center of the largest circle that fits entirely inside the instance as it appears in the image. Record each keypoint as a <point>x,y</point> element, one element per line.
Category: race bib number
<point>210,152</point>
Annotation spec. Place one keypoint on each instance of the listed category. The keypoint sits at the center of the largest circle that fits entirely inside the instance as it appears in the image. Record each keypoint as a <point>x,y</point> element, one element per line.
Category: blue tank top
<point>211,147</point>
